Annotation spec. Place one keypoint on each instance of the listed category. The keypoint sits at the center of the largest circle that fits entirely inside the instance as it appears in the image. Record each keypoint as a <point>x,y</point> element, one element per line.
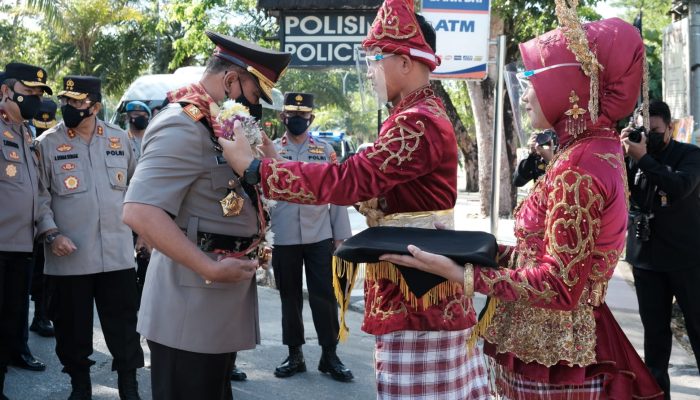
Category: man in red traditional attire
<point>407,178</point>
<point>552,336</point>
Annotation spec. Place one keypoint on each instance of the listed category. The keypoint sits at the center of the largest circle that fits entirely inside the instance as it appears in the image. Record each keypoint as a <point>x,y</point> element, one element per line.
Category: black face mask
<point>655,142</point>
<point>72,116</point>
<point>255,110</point>
<point>139,123</point>
<point>297,125</point>
<point>28,104</point>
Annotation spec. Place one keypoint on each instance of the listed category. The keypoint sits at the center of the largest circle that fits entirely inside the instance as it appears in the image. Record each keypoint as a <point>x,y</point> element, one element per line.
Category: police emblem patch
<point>14,155</point>
<point>68,166</point>
<point>120,176</point>
<point>71,182</point>
<point>115,146</point>
<point>11,171</point>
<point>40,74</point>
<point>70,84</point>
<point>8,135</point>
<point>316,150</point>
<point>64,148</point>
<point>114,139</point>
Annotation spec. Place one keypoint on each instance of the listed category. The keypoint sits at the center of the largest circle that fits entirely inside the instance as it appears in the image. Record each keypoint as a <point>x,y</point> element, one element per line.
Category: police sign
<point>324,39</point>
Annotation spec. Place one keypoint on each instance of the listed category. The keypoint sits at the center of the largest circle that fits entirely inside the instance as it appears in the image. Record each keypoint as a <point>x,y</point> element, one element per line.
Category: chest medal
<point>232,204</point>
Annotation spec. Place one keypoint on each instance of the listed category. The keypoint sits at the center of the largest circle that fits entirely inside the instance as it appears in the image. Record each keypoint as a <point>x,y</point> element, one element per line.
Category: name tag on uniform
<point>115,152</point>
<point>10,144</point>
<point>220,160</point>
<point>65,157</point>
<point>317,158</point>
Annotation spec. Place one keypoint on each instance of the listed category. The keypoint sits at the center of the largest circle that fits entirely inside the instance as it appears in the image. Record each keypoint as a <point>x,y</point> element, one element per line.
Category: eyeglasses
<point>75,103</point>
<point>375,58</point>
<point>524,76</point>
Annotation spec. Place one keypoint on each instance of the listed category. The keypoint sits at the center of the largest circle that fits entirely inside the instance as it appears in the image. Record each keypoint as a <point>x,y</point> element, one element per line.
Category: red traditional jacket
<point>411,167</point>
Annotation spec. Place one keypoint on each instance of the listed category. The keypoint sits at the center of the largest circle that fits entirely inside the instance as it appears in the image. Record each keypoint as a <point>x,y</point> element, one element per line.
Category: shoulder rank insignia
<point>100,130</point>
<point>64,148</point>
<point>68,166</point>
<point>11,171</point>
<point>317,150</point>
<point>334,157</point>
<point>193,112</point>
<point>71,134</point>
<point>71,182</point>
<point>8,135</point>
<point>14,155</point>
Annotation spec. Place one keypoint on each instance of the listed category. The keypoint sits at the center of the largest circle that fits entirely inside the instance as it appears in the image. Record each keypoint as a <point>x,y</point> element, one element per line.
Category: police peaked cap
<point>28,75</point>
<point>45,118</point>
<point>78,87</point>
<point>303,102</point>
<point>266,65</point>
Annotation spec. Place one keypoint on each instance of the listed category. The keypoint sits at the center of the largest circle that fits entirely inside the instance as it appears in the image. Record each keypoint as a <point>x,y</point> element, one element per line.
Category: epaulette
<point>193,112</point>
<point>113,126</point>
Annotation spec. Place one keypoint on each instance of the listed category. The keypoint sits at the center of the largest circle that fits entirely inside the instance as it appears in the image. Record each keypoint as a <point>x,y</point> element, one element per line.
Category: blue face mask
<point>297,125</point>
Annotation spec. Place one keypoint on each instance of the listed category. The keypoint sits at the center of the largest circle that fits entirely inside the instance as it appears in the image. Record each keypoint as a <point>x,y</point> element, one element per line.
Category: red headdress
<point>396,30</point>
<point>603,89</point>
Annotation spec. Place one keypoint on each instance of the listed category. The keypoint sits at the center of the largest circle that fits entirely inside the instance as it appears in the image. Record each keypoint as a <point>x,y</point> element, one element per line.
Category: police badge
<point>232,204</point>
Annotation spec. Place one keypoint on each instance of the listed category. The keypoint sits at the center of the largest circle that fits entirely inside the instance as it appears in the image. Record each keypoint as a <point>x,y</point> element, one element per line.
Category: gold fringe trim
<point>483,324</point>
<point>383,270</point>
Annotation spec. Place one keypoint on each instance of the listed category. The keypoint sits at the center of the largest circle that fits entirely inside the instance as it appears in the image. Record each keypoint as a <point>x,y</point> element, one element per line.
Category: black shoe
<point>128,385</point>
<point>42,327</point>
<point>331,364</point>
<point>28,362</point>
<point>238,375</point>
<point>82,386</point>
<point>292,364</point>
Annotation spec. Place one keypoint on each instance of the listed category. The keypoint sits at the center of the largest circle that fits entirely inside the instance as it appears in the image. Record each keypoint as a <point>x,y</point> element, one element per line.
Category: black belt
<point>211,242</point>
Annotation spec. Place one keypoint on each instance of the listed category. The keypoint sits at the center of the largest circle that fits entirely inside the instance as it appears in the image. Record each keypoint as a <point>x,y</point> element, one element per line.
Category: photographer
<point>662,241</point>
<point>542,147</point>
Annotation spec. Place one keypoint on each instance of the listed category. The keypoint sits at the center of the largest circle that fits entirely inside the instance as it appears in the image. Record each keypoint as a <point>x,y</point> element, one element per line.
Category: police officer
<point>86,164</point>
<point>44,119</point>
<point>138,116</point>
<point>305,237</point>
<point>23,205</point>
<point>197,307</point>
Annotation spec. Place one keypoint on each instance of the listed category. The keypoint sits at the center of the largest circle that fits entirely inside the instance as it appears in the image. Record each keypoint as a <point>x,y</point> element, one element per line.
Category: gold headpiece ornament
<point>577,42</point>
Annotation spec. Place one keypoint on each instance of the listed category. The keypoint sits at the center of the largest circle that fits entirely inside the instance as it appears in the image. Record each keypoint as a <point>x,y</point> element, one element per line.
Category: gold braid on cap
<point>578,44</point>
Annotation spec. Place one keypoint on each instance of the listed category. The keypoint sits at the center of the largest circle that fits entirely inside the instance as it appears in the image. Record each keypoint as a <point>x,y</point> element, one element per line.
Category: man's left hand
<point>237,152</point>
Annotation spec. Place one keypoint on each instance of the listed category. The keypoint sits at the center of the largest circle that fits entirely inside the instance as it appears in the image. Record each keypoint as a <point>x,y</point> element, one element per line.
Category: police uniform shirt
<point>135,144</point>
<point>181,173</point>
<point>87,182</point>
<point>19,187</point>
<point>295,224</point>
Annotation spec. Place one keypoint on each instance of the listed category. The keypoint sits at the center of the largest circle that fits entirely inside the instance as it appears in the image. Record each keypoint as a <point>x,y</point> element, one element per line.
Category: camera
<point>636,134</point>
<point>547,137</point>
<point>642,229</point>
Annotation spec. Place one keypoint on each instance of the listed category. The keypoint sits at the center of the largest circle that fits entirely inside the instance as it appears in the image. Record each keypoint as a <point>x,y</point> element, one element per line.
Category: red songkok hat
<point>396,30</point>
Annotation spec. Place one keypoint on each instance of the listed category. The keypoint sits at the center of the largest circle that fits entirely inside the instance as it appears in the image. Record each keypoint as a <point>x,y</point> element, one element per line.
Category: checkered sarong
<point>429,365</point>
<point>511,386</point>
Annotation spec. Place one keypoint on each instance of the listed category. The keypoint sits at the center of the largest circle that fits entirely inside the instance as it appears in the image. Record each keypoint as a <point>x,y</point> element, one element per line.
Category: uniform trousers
<point>71,310</point>
<point>655,292</point>
<point>14,291</point>
<point>287,262</point>
<point>183,375</point>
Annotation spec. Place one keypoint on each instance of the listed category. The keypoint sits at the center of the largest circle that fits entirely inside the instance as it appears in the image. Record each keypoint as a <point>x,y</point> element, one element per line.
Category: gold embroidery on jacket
<point>403,134</point>
<point>521,286</point>
<point>280,176</point>
<point>570,227</point>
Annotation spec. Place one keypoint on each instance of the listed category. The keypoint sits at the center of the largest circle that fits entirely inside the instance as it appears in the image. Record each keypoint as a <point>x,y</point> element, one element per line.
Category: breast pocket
<point>223,178</point>
<point>68,183</point>
<point>11,165</point>
<point>116,169</point>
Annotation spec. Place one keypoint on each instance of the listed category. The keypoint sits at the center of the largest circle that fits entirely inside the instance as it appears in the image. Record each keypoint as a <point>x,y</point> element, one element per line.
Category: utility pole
<point>694,61</point>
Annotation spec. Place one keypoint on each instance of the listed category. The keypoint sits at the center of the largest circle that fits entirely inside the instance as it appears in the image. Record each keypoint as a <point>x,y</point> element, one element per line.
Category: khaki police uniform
<point>178,308</point>
<point>304,237</point>
<point>135,144</point>
<point>87,183</point>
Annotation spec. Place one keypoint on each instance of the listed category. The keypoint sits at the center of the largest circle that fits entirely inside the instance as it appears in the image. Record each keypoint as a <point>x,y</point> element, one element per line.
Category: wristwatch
<point>251,175</point>
<point>50,237</point>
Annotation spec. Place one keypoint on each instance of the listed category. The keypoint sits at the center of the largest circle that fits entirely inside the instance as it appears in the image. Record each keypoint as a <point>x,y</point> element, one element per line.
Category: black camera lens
<point>636,134</point>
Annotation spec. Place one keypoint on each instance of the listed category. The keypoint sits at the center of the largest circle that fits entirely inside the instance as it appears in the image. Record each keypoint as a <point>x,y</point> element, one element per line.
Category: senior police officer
<point>86,164</point>
<point>305,237</point>
<point>22,88</point>
<point>197,310</point>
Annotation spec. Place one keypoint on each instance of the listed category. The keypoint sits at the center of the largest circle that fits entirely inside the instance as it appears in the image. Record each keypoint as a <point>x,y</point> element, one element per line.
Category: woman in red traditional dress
<point>552,336</point>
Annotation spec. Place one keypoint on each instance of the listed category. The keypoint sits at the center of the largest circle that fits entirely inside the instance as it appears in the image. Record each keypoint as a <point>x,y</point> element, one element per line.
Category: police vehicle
<point>343,145</point>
